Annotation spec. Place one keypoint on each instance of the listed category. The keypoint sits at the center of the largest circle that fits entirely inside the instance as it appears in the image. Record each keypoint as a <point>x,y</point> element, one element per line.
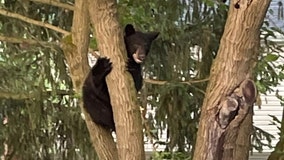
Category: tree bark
<point>230,73</point>
<point>75,50</point>
<point>127,117</point>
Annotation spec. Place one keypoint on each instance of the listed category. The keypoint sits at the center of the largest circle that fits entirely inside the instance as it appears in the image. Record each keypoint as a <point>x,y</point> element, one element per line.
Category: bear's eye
<point>136,46</point>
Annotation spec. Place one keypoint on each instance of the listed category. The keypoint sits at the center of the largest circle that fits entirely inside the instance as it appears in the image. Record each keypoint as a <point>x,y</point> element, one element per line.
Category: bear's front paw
<point>102,67</point>
<point>107,65</point>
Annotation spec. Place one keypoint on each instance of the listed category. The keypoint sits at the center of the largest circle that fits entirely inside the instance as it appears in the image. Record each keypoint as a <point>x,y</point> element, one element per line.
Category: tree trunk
<point>225,123</point>
<point>127,117</point>
<point>75,49</point>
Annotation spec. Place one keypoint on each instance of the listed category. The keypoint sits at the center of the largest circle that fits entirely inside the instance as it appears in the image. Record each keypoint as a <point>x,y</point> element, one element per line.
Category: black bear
<point>95,91</point>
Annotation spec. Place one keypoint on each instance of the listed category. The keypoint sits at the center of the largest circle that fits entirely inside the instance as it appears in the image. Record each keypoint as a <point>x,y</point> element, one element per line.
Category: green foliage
<point>269,69</point>
<point>184,52</point>
<point>186,29</point>
<point>36,94</point>
<point>44,121</point>
<point>260,139</point>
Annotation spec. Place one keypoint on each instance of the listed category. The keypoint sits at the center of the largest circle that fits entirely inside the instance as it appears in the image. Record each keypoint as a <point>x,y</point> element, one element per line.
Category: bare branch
<point>56,3</point>
<point>23,96</point>
<point>152,81</point>
<point>158,82</point>
<point>14,96</point>
<point>24,41</point>
<point>29,20</point>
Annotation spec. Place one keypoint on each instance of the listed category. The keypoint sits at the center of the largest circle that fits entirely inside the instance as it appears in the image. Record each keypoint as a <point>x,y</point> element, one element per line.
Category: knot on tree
<point>238,3</point>
<point>237,103</point>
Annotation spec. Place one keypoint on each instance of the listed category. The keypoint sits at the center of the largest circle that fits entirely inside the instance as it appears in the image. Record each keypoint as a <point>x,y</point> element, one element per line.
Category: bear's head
<point>137,43</point>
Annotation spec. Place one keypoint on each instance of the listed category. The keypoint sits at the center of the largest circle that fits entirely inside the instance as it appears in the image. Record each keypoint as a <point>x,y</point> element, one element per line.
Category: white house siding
<point>259,156</point>
<point>270,106</point>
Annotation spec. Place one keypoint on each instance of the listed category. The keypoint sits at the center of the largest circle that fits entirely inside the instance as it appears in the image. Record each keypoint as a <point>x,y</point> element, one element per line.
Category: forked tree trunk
<point>103,14</point>
<point>229,90</point>
<point>75,49</point>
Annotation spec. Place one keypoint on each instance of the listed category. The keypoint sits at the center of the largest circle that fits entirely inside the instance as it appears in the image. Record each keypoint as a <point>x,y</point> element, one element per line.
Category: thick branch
<point>55,3</point>
<point>29,20</point>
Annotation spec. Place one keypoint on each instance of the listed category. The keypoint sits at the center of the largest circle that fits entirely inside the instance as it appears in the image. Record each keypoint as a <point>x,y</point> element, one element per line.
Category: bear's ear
<point>129,30</point>
<point>152,35</point>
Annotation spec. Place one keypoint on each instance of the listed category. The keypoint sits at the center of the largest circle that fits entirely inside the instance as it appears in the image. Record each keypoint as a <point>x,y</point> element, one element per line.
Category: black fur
<point>96,96</point>
<point>95,92</point>
<point>140,43</point>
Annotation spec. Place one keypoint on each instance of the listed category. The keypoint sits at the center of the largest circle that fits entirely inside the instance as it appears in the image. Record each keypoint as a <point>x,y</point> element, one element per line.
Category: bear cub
<point>95,91</point>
